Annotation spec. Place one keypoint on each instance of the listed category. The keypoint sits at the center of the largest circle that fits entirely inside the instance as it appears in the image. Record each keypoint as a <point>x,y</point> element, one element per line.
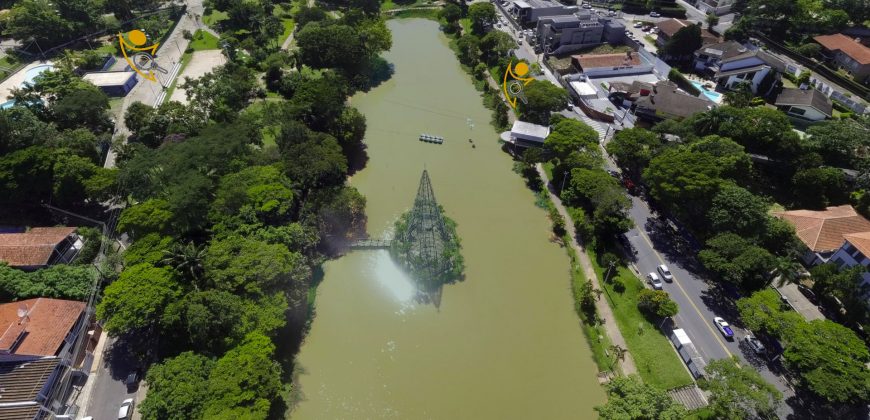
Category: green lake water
<point>505,343</point>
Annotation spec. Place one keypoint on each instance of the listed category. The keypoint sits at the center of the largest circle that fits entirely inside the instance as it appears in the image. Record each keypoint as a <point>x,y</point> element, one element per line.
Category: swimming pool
<point>31,73</point>
<point>713,96</point>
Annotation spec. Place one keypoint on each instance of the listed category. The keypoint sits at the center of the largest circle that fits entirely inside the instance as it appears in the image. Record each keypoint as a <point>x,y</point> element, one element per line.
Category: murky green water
<point>505,343</point>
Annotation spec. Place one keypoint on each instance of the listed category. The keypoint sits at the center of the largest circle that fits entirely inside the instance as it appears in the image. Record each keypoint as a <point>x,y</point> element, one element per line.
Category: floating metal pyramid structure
<point>427,236</point>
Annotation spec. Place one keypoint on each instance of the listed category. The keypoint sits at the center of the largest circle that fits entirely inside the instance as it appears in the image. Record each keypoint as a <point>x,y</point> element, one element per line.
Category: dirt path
<point>608,320</point>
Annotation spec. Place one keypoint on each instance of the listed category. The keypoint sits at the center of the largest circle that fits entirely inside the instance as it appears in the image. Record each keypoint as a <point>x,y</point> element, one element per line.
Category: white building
<point>752,67</point>
<point>527,12</point>
<point>823,231</point>
<point>805,104</point>
<point>854,251</point>
<point>525,134</point>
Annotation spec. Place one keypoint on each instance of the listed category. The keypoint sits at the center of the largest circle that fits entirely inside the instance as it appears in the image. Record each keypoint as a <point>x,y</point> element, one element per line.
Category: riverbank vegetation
<point>227,231</point>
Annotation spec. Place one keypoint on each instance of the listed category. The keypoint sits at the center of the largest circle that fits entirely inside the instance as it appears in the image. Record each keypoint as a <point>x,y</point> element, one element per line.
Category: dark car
<point>132,381</point>
<point>755,345</point>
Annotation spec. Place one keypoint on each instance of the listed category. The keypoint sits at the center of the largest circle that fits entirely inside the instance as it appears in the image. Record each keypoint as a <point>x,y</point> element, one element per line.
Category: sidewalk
<point>83,399</point>
<point>608,320</point>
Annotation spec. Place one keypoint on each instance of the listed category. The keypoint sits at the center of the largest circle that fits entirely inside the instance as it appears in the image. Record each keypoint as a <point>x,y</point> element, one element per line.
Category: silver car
<point>666,274</point>
<point>126,410</point>
<point>654,280</point>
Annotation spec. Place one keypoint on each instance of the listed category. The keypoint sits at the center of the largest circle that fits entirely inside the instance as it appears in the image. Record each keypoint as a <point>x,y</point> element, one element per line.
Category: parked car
<point>611,13</point>
<point>655,14</point>
<point>132,381</point>
<point>755,345</point>
<point>126,410</point>
<point>638,24</point>
<point>587,6</point>
<point>666,274</point>
<point>654,280</point>
<point>613,173</point>
<point>724,328</point>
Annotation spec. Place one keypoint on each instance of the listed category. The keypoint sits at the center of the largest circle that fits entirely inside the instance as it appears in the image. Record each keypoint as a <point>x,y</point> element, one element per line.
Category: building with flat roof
<point>527,12</point>
<point>113,83</point>
<point>564,34</point>
<point>600,65</point>
<point>526,134</point>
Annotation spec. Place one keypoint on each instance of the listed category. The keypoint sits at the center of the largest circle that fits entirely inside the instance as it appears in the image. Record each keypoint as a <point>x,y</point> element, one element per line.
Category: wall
<point>810,114</point>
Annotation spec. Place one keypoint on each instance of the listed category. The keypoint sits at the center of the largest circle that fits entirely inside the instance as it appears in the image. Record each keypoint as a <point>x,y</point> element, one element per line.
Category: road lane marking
<point>691,302</point>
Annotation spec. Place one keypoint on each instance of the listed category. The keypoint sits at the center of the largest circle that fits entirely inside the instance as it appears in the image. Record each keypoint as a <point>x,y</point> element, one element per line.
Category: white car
<point>724,328</point>
<point>637,24</point>
<point>655,14</point>
<point>126,410</point>
<point>654,280</point>
<point>666,274</point>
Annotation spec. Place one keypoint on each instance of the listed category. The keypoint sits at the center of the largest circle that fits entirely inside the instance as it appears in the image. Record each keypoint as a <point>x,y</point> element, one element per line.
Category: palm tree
<point>787,270</point>
<point>618,353</point>
<point>187,260</point>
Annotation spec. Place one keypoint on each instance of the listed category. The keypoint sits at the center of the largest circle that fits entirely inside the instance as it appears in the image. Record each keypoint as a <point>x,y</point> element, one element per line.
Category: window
<point>797,111</point>
<point>849,248</point>
<point>840,263</point>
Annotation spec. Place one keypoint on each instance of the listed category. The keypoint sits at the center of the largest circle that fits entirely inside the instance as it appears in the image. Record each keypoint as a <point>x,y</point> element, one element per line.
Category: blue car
<point>724,328</point>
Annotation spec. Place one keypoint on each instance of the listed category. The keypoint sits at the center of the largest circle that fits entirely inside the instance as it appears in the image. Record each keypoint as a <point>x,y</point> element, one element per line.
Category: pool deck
<point>17,79</point>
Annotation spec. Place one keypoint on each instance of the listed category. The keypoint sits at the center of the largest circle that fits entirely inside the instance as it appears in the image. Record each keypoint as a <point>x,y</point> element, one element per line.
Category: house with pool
<point>760,69</point>
<point>20,79</point>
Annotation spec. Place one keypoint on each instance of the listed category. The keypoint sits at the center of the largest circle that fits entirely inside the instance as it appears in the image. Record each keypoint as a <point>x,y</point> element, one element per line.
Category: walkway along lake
<point>505,343</point>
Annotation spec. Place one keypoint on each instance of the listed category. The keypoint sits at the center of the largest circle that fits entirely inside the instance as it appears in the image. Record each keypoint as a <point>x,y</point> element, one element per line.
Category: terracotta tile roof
<point>32,248</point>
<point>850,47</point>
<point>591,61</point>
<point>823,231</point>
<point>47,325</point>
<point>671,26</point>
<point>860,241</point>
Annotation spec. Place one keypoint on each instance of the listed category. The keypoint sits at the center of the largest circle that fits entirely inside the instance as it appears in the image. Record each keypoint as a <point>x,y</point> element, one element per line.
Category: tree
<point>81,108</point>
<point>451,13</point>
<point>307,14</point>
<point>246,266</point>
<point>263,189</point>
<point>831,360</point>
<point>690,179</point>
<point>245,381</point>
<point>760,130</point>
<point>683,43</point>
<point>58,281</point>
<point>634,148</point>
<point>150,248</point>
<point>712,20</point>
<point>819,187</point>
<point>331,46</point>
<point>151,216</point>
<point>469,49</point>
<point>569,136</point>
<point>175,387</point>
<point>763,312</point>
<point>657,302</point>
<point>738,261</point>
<point>543,98</point>
<point>840,142</point>
<point>223,92</point>
<point>137,299</point>
<point>628,398</point>
<point>337,212</point>
<point>735,209</point>
<point>739,392</point>
<point>494,45</point>
<point>740,96</point>
<point>810,50</point>
<point>186,259</point>
<point>847,286</point>
<point>482,16</point>
<point>618,353</point>
<point>315,163</point>
<point>37,20</point>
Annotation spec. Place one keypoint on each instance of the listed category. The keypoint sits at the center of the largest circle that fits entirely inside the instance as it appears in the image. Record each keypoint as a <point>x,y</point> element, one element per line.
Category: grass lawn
<point>108,48</point>
<point>203,40</point>
<point>656,361</point>
<point>466,25</point>
<point>214,17</point>
<point>115,105</point>
<point>286,21</point>
<point>8,63</point>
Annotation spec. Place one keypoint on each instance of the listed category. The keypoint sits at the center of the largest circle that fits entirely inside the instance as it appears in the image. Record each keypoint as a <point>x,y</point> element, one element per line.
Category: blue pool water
<point>36,71</point>
<point>713,96</point>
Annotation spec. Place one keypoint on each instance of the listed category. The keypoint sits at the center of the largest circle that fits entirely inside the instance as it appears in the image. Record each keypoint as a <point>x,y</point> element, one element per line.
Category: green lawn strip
<point>286,21</point>
<point>548,169</point>
<point>656,361</point>
<point>597,338</point>
<point>203,40</point>
<point>214,17</point>
<point>185,60</point>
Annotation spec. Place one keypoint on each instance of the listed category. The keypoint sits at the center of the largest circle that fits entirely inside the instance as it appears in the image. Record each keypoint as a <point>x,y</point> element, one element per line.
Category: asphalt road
<point>109,389</point>
<point>654,241</point>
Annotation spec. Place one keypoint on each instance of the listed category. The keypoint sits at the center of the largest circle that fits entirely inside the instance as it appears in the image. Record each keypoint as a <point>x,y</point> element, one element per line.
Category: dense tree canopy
<point>735,260</point>
<point>543,98</point>
<point>739,392</point>
<point>138,298</point>
<point>628,398</point>
<point>763,312</point>
<point>482,16</point>
<point>175,387</point>
<point>634,148</point>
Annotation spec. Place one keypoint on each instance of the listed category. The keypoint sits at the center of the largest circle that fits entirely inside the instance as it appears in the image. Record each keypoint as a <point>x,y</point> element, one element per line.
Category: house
<point>709,57</point>
<point>757,67</point>
<point>36,351</point>
<point>855,249</point>
<point>39,247</point>
<point>113,83</point>
<point>526,134</point>
<point>848,53</point>
<point>527,12</point>
<point>822,231</point>
<point>666,101</point>
<point>716,7</point>
<point>620,64</point>
<point>805,104</point>
<point>567,33</point>
<point>667,29</point>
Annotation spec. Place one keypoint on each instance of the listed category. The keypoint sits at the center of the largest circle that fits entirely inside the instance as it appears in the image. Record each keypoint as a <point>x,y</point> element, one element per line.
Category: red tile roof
<point>32,248</point>
<point>46,326</point>
<point>860,241</point>
<point>823,231</point>
<point>591,61</point>
<point>847,45</point>
<point>671,26</point>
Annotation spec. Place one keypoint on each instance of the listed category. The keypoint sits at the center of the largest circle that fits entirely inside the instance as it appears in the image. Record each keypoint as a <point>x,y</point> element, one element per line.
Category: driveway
<point>201,63</point>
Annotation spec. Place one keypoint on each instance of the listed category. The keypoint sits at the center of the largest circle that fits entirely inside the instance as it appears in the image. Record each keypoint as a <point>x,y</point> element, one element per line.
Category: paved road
<point>653,241</point>
<point>108,389</point>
